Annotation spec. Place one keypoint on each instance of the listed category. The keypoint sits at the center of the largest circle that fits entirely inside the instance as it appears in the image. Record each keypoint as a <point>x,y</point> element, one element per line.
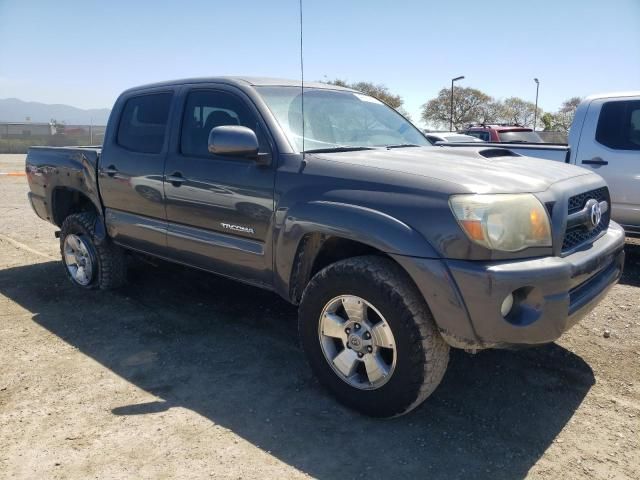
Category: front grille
<point>580,234</point>
<point>577,202</point>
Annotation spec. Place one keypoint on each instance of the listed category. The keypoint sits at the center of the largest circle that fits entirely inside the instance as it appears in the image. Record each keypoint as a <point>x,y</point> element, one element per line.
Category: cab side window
<point>207,109</point>
<point>619,125</point>
<point>143,123</point>
<point>481,135</point>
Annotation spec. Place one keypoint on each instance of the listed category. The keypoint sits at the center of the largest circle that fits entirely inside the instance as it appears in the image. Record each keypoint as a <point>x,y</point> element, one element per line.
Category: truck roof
<point>500,127</point>
<point>599,96</point>
<point>241,82</point>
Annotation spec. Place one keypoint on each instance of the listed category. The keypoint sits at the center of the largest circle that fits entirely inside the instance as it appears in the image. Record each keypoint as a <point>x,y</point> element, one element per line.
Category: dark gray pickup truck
<point>394,250</point>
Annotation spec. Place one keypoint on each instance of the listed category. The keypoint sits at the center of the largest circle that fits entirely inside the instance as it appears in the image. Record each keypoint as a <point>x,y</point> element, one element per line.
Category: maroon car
<point>503,133</point>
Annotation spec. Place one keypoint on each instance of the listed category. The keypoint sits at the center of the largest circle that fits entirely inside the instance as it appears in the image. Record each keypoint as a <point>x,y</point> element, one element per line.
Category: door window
<point>481,135</point>
<point>143,123</point>
<point>619,125</point>
<point>207,109</point>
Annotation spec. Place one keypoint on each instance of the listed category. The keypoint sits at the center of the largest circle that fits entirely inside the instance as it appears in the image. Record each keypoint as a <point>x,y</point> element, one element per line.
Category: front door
<point>610,146</point>
<point>219,208</point>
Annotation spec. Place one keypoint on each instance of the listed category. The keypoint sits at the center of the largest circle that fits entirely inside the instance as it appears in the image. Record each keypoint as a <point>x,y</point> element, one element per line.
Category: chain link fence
<point>17,138</point>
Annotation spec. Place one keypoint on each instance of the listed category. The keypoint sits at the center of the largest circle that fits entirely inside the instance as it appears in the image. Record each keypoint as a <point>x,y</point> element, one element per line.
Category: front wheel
<point>370,337</point>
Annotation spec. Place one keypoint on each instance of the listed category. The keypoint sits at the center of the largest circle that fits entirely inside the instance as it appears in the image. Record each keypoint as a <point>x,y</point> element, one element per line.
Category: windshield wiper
<point>337,149</point>
<point>402,145</point>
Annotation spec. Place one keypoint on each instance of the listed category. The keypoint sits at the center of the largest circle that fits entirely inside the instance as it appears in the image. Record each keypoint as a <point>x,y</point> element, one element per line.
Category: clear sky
<point>84,53</point>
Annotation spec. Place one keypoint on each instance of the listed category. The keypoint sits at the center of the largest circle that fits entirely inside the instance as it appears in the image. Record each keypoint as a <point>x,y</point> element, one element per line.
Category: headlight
<point>503,222</point>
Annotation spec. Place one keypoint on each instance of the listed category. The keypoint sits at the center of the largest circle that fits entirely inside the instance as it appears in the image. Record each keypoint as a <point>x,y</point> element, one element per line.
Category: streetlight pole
<point>451,117</point>
<point>535,112</point>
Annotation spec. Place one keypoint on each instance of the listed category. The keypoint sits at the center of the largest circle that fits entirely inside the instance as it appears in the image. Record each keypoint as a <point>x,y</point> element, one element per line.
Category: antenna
<point>302,79</point>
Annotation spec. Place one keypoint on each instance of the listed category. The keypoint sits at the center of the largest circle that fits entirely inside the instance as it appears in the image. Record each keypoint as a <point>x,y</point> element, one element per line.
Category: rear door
<point>219,208</point>
<point>610,146</point>
<point>131,171</point>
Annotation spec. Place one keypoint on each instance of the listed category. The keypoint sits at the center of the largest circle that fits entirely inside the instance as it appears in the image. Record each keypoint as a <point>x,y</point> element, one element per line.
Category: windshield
<point>338,119</point>
<point>520,136</point>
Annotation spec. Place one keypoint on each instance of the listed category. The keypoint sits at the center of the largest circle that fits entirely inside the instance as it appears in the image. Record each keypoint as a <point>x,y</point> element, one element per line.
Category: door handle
<point>111,170</point>
<point>595,161</point>
<point>176,179</point>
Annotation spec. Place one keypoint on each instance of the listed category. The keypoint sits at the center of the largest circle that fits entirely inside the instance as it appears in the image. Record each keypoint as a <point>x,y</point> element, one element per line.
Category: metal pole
<point>535,112</point>
<point>451,115</point>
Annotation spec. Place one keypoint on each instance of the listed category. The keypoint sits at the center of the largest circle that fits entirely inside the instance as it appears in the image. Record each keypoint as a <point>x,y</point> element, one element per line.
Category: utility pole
<point>451,116</point>
<point>535,112</point>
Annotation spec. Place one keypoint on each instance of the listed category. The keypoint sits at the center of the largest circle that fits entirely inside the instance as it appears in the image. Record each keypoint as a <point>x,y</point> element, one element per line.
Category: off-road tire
<point>421,353</point>
<point>110,263</point>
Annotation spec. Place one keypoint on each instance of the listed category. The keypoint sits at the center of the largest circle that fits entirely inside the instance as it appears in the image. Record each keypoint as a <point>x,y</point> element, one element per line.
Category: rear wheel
<point>370,337</point>
<point>90,262</point>
<point>79,258</point>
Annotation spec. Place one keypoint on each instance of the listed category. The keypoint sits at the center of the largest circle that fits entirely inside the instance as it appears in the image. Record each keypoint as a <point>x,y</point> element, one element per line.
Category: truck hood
<point>476,170</point>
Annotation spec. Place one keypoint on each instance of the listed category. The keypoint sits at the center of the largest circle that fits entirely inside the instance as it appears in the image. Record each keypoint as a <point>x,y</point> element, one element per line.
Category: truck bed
<point>51,169</point>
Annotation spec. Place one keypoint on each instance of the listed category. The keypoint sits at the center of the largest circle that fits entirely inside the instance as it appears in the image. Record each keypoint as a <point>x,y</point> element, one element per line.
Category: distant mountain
<point>15,110</point>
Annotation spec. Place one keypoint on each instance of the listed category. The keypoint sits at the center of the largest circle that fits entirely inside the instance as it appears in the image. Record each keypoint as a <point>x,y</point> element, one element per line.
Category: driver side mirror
<point>237,141</point>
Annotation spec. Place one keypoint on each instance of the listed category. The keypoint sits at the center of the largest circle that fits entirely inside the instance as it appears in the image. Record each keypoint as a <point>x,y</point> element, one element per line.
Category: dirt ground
<point>185,375</point>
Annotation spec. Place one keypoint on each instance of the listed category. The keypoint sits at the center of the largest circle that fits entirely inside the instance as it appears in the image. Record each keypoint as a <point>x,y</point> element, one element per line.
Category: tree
<point>490,112</point>
<point>517,111</point>
<point>548,121</point>
<point>561,120</point>
<point>570,106</point>
<point>564,117</point>
<point>469,105</point>
<point>379,91</point>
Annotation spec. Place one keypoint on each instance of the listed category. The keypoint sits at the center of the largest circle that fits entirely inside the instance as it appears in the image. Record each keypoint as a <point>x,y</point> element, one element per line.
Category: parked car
<point>435,137</point>
<point>394,250</point>
<point>605,138</point>
<point>502,132</point>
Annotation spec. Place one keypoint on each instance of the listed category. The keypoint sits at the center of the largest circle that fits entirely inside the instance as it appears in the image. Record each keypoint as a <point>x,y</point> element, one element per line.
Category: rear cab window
<point>619,125</point>
<point>519,136</point>
<point>143,122</point>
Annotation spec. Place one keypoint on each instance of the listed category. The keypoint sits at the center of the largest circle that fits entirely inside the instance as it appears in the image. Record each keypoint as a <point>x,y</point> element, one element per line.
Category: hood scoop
<point>497,152</point>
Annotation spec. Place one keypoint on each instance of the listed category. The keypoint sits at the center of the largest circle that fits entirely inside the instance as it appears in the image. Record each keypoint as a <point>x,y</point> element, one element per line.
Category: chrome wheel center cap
<point>355,342</point>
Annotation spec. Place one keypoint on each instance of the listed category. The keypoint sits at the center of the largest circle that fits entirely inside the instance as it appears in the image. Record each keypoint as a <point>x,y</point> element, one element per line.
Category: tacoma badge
<point>238,228</point>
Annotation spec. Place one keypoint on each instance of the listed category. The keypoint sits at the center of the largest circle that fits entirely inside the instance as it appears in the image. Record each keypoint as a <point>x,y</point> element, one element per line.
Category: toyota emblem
<point>596,214</point>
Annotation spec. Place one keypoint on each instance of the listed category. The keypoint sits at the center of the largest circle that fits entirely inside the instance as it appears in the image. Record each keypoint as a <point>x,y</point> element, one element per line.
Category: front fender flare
<point>353,222</point>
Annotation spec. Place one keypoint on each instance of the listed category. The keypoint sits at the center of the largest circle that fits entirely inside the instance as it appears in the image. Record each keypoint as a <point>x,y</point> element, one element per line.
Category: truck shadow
<point>230,353</point>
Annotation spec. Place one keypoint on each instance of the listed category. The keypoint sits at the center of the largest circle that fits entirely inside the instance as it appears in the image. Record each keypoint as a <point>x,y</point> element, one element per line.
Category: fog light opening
<point>507,305</point>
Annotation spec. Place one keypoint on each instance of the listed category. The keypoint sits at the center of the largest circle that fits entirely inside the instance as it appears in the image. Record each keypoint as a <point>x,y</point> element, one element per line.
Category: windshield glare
<point>334,118</point>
